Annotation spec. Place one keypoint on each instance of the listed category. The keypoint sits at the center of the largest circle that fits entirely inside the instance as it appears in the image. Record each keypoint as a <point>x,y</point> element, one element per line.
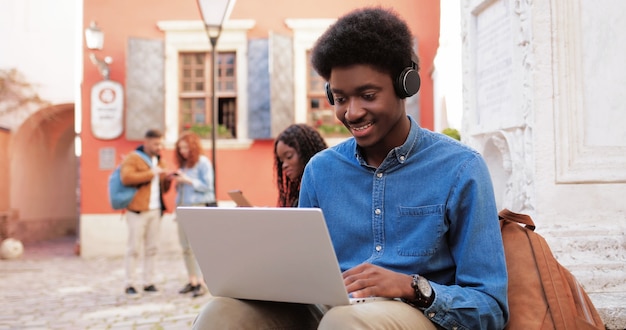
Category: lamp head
<point>214,12</point>
<point>94,37</point>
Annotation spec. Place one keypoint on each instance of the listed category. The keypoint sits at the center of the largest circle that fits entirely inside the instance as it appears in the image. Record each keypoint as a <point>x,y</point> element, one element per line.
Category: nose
<point>353,111</point>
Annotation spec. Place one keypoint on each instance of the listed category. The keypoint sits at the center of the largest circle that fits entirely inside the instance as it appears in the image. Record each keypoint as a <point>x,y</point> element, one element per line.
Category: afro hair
<point>372,36</point>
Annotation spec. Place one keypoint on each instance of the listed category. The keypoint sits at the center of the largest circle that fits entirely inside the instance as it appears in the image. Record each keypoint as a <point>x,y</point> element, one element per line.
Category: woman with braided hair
<point>293,149</point>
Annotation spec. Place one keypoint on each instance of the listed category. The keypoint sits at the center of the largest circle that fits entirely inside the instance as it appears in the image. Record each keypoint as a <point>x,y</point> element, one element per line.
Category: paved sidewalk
<point>51,288</point>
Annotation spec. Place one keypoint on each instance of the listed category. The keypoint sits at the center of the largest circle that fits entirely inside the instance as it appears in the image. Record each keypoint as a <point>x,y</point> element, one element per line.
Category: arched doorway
<point>44,174</point>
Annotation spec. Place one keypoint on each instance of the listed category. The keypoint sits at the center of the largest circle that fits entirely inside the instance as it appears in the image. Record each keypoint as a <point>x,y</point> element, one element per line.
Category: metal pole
<point>214,111</point>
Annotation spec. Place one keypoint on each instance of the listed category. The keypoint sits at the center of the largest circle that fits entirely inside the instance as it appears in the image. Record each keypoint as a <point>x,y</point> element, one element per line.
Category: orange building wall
<point>5,135</point>
<point>422,16</point>
<point>249,170</point>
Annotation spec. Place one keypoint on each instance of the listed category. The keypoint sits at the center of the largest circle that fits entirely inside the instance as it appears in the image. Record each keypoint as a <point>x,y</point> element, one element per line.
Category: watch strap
<point>421,301</point>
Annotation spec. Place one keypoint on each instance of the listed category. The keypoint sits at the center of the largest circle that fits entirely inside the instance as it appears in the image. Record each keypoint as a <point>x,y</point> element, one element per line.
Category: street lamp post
<point>213,13</point>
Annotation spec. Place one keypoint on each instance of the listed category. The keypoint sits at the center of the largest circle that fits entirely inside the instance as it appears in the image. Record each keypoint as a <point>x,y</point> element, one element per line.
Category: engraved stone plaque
<point>493,64</point>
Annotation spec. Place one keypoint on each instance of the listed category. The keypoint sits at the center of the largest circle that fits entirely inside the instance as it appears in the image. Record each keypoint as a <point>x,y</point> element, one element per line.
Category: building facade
<point>154,71</point>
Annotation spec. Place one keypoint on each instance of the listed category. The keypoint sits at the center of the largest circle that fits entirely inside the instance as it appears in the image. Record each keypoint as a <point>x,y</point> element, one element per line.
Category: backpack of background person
<point>119,194</point>
<point>542,294</point>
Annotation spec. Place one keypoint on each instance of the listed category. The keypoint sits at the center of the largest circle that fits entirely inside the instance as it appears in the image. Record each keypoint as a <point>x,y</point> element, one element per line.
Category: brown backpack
<point>542,293</point>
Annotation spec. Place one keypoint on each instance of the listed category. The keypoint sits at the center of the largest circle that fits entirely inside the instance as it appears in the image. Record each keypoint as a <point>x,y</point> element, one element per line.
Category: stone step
<point>600,277</point>
<point>607,242</point>
<point>596,256</point>
<point>608,247</point>
<point>594,245</point>
<point>612,308</point>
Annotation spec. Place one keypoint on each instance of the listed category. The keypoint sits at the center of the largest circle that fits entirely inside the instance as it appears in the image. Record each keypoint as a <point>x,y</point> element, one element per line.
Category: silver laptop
<point>261,253</point>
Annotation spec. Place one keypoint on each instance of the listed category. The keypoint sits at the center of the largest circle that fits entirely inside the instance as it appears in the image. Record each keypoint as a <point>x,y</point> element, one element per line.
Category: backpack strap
<point>523,219</point>
<point>554,282</point>
<point>145,157</point>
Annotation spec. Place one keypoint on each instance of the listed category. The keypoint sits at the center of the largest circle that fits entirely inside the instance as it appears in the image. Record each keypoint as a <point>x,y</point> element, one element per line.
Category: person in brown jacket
<point>145,211</point>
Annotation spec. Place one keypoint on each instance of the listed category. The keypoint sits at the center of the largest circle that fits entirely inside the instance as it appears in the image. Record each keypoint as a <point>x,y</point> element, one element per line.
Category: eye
<point>369,96</point>
<point>340,100</point>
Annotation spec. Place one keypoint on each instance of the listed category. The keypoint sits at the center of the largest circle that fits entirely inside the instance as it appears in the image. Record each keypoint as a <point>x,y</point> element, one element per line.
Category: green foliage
<point>453,133</point>
<point>223,132</point>
<point>204,131</point>
<point>333,129</point>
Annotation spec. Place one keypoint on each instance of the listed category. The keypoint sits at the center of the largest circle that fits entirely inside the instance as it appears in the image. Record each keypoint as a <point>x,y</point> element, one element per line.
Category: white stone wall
<point>579,114</point>
<point>542,101</point>
<point>542,85</point>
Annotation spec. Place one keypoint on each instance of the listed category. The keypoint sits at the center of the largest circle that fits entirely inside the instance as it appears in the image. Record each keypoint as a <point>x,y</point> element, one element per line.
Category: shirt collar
<point>402,152</point>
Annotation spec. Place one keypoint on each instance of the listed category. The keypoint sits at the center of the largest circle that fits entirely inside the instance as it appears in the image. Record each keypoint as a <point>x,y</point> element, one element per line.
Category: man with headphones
<point>411,213</point>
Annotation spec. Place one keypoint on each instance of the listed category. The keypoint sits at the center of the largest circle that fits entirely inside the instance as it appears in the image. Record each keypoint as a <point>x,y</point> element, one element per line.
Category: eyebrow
<point>359,89</point>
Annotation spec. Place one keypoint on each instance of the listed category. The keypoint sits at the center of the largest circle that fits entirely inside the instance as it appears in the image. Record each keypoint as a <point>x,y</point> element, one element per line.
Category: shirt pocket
<point>419,230</point>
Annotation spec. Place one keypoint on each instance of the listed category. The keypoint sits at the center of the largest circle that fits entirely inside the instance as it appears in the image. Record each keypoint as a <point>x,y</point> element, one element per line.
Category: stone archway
<point>43,169</point>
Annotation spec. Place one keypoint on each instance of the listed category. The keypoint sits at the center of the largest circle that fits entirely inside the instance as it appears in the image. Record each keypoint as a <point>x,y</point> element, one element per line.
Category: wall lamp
<point>95,41</point>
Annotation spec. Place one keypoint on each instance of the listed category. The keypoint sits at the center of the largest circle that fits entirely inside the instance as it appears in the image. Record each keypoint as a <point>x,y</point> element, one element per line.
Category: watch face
<point>424,287</point>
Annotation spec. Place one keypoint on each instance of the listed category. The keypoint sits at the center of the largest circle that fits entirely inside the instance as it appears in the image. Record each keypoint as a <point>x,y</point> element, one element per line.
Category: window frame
<point>305,34</point>
<point>202,60</point>
<point>191,36</point>
<point>325,114</point>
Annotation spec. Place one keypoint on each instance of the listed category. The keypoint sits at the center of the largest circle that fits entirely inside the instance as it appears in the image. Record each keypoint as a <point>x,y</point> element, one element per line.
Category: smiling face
<point>366,103</point>
<point>290,161</point>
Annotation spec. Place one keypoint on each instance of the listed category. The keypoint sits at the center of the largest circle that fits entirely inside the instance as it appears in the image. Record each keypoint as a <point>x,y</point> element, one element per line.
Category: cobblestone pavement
<point>50,287</point>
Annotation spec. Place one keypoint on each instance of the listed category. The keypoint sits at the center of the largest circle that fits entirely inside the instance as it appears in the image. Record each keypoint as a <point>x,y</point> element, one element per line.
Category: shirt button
<point>402,158</point>
<point>431,315</point>
<point>380,175</point>
<point>377,211</point>
<point>455,328</point>
<point>378,248</point>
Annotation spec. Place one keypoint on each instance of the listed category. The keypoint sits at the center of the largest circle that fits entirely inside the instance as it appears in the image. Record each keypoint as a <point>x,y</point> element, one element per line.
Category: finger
<point>354,275</point>
<point>355,270</point>
<point>362,292</point>
<point>358,283</point>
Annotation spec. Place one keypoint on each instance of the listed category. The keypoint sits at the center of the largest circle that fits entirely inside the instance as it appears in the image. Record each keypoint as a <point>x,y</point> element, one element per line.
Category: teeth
<point>362,127</point>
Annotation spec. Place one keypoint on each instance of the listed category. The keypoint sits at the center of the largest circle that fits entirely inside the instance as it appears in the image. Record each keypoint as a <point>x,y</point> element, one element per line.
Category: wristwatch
<point>424,293</point>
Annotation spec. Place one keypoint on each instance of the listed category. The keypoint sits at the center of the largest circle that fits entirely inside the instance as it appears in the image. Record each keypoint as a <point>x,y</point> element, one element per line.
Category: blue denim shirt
<point>428,209</point>
<point>201,189</point>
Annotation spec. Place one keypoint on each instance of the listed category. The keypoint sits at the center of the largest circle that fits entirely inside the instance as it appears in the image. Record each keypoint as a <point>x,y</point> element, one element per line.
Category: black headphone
<point>407,84</point>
